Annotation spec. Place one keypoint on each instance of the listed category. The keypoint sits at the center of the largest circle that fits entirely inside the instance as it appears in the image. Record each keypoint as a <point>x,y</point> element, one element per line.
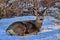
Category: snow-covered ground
<point>49,31</point>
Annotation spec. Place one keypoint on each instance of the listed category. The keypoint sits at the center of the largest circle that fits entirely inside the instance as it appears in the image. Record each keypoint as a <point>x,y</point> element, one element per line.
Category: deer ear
<point>45,13</point>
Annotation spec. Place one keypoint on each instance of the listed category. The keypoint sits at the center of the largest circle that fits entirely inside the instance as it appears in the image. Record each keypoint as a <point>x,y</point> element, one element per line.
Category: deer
<point>30,27</point>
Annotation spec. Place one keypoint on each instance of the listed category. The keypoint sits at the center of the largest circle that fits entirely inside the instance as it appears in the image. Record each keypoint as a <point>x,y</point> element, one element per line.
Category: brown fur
<point>18,28</point>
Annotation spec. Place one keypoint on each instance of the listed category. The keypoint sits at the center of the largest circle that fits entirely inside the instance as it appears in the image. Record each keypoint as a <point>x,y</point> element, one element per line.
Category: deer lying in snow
<point>27,27</point>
